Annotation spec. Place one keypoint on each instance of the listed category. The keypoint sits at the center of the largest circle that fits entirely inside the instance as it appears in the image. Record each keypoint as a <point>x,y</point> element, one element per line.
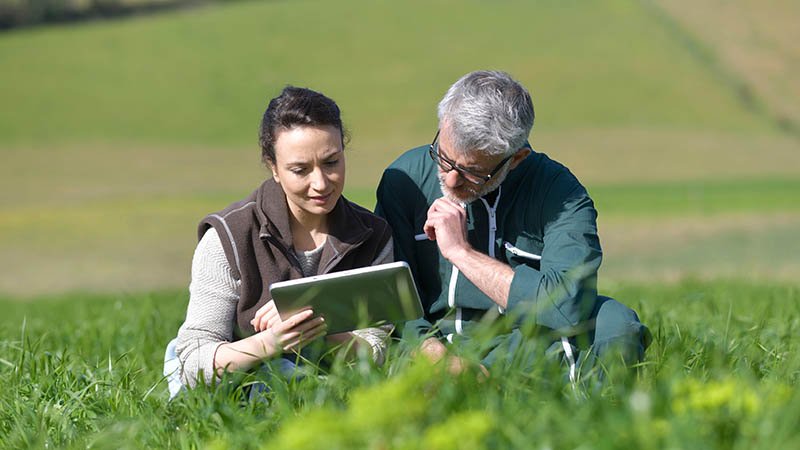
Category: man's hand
<point>435,351</point>
<point>447,225</point>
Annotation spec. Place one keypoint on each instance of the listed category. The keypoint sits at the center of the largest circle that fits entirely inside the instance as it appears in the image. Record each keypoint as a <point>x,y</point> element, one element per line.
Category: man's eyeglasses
<point>447,165</point>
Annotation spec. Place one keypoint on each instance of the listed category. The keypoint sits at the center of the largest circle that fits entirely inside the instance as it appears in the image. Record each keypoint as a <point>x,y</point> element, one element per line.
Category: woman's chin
<point>322,206</point>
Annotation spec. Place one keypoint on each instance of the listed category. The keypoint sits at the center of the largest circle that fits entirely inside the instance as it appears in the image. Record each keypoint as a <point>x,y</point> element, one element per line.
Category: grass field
<point>121,134</point>
<point>681,120</point>
<point>721,373</point>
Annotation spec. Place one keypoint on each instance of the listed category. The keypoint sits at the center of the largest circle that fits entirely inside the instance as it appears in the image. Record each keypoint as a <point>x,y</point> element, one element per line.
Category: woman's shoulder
<point>367,217</point>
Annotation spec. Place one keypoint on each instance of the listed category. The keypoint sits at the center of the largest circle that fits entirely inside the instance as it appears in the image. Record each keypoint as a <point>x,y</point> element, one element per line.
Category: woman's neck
<point>308,231</point>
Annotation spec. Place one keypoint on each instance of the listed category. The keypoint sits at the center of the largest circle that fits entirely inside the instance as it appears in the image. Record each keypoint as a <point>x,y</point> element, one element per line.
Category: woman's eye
<point>297,170</point>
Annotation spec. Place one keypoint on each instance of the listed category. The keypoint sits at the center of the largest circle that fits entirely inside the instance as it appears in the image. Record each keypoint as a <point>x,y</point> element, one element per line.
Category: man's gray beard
<point>474,194</point>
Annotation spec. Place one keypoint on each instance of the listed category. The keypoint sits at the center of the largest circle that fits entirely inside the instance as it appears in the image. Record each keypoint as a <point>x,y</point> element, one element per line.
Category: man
<point>490,227</point>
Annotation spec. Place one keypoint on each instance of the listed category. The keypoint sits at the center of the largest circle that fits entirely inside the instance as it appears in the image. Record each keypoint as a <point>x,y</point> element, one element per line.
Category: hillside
<point>117,136</point>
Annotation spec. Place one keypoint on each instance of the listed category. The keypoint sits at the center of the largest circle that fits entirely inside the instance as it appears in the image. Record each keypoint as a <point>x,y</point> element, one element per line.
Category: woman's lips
<point>320,199</point>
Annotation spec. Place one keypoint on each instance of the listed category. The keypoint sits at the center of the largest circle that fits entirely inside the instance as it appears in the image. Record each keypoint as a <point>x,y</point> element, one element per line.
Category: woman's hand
<point>291,334</point>
<point>285,336</point>
<point>296,331</point>
<point>266,316</point>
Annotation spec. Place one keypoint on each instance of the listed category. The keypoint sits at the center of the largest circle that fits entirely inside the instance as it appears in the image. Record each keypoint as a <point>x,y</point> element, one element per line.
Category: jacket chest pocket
<point>524,251</point>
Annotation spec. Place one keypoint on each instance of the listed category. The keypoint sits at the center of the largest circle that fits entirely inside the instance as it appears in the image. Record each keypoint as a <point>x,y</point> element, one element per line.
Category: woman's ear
<point>274,171</point>
<point>519,156</point>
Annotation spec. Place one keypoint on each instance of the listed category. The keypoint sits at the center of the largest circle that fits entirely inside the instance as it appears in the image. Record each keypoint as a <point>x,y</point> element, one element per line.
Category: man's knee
<point>618,332</point>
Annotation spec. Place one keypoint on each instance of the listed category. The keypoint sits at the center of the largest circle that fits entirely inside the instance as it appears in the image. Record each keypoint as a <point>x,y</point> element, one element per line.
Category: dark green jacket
<point>539,211</point>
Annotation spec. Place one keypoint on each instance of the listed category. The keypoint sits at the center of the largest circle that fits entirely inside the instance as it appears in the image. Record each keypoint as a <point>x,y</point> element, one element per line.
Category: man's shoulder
<point>413,160</point>
<point>413,171</point>
<point>540,168</point>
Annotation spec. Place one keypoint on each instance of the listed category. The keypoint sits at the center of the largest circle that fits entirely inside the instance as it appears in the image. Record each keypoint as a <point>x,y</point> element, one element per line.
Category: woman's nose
<point>319,182</point>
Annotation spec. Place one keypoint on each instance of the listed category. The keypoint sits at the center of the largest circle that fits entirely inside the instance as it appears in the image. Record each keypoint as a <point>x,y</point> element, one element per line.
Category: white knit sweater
<point>210,317</point>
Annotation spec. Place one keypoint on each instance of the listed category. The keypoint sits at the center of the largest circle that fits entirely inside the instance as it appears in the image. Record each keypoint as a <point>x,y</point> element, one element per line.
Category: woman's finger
<point>272,318</point>
<point>262,324</point>
<point>305,326</point>
<point>294,320</point>
<point>305,337</point>
<point>264,309</point>
<point>301,329</point>
<point>262,317</point>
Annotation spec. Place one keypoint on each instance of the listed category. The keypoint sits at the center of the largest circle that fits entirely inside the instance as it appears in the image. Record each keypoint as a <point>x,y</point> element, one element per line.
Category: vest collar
<point>346,230</point>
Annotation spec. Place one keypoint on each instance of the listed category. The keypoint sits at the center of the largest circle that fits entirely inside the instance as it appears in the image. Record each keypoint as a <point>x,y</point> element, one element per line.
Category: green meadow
<point>117,136</point>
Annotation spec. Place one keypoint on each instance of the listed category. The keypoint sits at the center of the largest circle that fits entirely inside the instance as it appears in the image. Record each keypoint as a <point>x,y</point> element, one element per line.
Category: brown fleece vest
<point>257,240</point>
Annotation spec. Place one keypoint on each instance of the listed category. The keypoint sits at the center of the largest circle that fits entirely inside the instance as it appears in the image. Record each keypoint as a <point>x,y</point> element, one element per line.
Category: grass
<point>754,47</point>
<point>139,242</point>
<point>116,137</point>
<point>81,371</point>
<point>698,198</point>
<point>202,76</point>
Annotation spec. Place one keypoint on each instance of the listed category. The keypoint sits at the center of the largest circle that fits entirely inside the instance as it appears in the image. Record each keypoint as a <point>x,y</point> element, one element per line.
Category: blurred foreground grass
<point>82,370</point>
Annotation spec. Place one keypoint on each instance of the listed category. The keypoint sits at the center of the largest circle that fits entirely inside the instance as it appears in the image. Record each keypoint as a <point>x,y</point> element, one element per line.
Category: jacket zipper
<point>286,253</point>
<point>492,211</point>
<point>451,293</point>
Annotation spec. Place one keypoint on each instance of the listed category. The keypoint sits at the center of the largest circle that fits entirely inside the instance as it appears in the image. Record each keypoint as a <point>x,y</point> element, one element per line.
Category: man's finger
<point>448,207</point>
<point>430,230</point>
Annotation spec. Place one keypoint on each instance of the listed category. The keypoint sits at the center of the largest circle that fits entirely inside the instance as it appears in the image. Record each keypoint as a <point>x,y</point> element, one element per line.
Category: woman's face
<point>309,165</point>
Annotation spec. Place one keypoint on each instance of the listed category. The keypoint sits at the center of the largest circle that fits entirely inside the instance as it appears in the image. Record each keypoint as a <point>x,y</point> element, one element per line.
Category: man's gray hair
<point>487,111</point>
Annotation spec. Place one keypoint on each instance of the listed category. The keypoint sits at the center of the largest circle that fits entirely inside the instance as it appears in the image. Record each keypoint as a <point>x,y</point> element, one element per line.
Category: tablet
<point>353,299</point>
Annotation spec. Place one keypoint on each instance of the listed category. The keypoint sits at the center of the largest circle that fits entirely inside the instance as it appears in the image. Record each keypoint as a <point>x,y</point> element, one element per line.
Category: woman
<point>295,224</point>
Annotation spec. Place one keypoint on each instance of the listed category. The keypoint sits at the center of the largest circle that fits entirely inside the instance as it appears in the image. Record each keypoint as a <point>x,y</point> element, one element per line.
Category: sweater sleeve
<point>213,296</point>
<point>378,337</point>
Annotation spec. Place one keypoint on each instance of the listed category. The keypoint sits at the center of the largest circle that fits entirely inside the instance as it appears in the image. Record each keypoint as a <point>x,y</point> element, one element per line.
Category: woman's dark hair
<point>296,107</point>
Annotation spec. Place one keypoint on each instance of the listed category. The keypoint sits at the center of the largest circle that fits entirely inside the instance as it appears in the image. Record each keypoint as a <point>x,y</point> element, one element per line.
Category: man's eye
<point>297,170</point>
<point>332,162</point>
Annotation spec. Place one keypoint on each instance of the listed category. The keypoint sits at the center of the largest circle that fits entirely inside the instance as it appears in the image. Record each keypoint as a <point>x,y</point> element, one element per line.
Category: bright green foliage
<point>118,136</point>
<point>721,373</point>
<point>202,76</point>
<point>772,195</point>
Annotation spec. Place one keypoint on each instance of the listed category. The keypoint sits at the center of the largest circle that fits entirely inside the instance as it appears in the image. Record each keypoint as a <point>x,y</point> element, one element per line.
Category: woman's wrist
<point>246,353</point>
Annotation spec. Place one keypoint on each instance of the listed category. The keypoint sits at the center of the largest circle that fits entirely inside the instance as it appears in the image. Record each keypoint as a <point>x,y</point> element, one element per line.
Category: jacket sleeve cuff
<point>416,329</point>
<point>524,287</point>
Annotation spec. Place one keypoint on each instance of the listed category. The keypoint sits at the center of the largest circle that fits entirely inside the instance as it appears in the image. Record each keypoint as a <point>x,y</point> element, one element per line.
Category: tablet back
<point>353,299</point>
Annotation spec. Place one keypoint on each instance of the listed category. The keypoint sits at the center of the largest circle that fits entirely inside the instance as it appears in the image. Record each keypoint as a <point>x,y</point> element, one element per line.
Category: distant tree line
<point>15,13</point>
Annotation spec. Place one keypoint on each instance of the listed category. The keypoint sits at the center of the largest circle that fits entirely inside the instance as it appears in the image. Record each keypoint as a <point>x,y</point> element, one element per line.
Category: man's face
<point>456,186</point>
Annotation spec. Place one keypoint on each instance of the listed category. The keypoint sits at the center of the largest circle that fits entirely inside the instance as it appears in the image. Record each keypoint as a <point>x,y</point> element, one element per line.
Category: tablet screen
<point>353,299</point>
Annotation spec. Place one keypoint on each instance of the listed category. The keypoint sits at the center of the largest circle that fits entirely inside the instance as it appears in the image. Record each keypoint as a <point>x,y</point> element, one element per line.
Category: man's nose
<point>452,179</point>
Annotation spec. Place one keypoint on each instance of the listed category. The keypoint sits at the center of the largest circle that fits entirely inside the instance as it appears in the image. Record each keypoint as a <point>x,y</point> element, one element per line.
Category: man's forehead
<point>465,158</point>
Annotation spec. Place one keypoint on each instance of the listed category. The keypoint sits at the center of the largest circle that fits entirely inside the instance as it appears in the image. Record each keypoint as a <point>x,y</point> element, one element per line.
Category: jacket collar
<point>515,176</point>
